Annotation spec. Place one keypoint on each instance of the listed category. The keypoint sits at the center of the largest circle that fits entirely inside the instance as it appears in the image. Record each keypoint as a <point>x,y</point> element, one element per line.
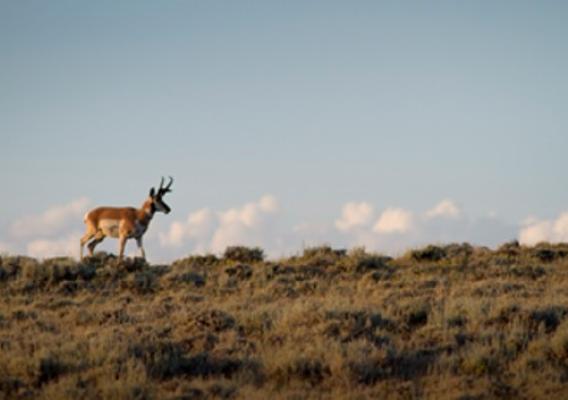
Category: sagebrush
<point>441,322</point>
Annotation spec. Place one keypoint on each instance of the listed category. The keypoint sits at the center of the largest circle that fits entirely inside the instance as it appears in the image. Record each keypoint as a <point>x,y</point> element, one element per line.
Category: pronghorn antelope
<point>124,222</point>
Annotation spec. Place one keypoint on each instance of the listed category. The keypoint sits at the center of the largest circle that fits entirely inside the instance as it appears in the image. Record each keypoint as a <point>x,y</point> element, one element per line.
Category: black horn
<point>163,190</point>
<point>170,184</point>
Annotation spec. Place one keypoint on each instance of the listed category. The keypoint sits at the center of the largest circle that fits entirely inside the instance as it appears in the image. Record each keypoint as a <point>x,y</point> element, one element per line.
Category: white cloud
<point>200,223</point>
<point>445,209</point>
<point>52,221</point>
<point>394,220</point>
<point>561,228</point>
<point>268,204</point>
<point>354,215</point>
<point>535,231</point>
<point>247,225</point>
<point>44,248</point>
<point>175,235</point>
<point>54,232</point>
<point>206,231</point>
<point>198,227</point>
<point>398,229</point>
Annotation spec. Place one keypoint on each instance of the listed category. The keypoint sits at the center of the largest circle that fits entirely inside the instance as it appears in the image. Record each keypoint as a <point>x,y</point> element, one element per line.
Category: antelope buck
<point>124,222</point>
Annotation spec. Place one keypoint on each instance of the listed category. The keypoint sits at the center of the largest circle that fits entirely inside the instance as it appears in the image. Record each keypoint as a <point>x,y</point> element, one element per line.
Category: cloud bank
<point>534,230</point>
<point>392,230</point>
<point>397,229</point>
<point>354,215</point>
<point>394,220</point>
<point>204,230</point>
<point>445,209</point>
<point>51,233</point>
<point>52,221</point>
<point>44,248</point>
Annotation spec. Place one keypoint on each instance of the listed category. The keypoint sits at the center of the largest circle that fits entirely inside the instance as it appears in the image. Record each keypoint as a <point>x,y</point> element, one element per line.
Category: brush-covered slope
<point>455,322</point>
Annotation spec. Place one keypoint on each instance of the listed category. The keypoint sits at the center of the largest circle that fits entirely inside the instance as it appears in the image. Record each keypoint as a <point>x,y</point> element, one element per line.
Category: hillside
<point>455,322</point>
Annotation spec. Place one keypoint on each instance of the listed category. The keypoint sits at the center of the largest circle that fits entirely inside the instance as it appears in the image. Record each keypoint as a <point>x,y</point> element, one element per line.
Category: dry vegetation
<point>453,322</point>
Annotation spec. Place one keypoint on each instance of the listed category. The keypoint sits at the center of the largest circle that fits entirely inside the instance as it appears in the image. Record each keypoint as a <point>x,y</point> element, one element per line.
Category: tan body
<point>123,223</point>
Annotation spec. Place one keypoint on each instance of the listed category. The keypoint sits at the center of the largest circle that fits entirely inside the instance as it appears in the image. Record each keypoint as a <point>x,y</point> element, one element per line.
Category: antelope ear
<point>152,192</point>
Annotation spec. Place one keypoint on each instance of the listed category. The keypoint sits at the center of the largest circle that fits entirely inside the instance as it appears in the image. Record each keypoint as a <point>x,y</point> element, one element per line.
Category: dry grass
<point>453,322</point>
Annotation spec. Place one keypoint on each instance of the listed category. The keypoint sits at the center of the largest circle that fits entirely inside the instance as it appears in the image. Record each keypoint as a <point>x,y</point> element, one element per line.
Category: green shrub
<point>323,251</point>
<point>11,266</point>
<point>50,368</point>
<point>550,317</point>
<point>417,317</point>
<point>191,278</point>
<point>319,256</point>
<point>511,249</point>
<point>456,250</point>
<point>196,261</point>
<point>244,254</point>
<point>430,253</point>
<point>144,282</point>
<point>359,260</point>
<point>312,371</point>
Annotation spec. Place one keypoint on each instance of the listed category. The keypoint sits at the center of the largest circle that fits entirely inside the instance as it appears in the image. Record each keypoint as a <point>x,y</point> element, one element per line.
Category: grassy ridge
<point>456,322</point>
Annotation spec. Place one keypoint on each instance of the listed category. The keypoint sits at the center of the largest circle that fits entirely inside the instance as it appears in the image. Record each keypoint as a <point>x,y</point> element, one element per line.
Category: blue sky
<point>317,104</point>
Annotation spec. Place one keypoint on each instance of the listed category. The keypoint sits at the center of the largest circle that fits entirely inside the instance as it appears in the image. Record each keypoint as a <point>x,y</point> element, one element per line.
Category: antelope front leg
<point>139,242</point>
<point>121,243</point>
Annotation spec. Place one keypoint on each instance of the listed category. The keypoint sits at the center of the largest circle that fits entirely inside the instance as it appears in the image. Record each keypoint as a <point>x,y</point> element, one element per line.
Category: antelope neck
<point>146,213</point>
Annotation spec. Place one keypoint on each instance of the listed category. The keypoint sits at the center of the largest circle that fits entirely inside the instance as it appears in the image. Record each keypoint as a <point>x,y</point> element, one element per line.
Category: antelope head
<point>156,197</point>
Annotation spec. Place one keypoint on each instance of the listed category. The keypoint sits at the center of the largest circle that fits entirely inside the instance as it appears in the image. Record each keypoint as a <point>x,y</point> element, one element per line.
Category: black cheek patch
<point>153,207</point>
